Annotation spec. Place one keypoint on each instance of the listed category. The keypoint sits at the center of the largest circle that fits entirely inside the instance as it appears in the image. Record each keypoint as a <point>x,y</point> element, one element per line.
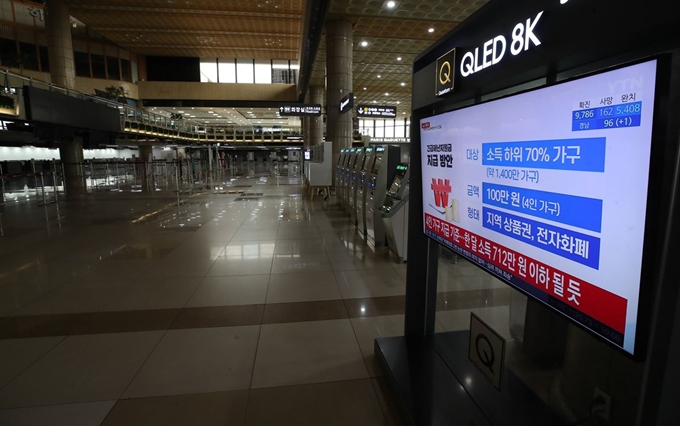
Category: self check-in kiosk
<point>350,157</point>
<point>381,174</point>
<point>362,186</point>
<point>338,175</point>
<point>353,185</point>
<point>394,212</point>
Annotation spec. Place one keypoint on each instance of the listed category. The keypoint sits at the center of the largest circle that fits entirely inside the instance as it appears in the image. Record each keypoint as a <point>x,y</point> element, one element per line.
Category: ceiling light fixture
<point>403,84</point>
<point>398,58</point>
<point>391,4</point>
<point>364,43</point>
<point>387,94</point>
<point>378,75</point>
<point>431,30</point>
<point>364,88</point>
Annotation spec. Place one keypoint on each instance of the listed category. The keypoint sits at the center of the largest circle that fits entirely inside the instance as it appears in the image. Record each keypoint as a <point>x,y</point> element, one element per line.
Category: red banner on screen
<point>597,303</point>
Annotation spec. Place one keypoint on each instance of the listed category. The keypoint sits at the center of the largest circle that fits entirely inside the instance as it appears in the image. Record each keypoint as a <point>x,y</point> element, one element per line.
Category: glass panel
<point>98,66</point>
<point>82,61</point>
<point>29,56</point>
<point>227,70</point>
<point>244,71</point>
<point>208,70</point>
<point>389,128</point>
<point>112,68</point>
<point>399,130</point>
<point>125,70</point>
<point>263,71</point>
<point>44,59</point>
<point>8,50</point>
<point>379,129</point>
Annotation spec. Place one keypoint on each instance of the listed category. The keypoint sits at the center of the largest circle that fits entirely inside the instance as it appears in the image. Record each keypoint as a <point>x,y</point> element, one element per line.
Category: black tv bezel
<point>653,229</point>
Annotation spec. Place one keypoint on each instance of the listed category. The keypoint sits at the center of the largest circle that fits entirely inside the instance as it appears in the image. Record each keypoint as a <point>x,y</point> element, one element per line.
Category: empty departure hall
<point>339,213</point>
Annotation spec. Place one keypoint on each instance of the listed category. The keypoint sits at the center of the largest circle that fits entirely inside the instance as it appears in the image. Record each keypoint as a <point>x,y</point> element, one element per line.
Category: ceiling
<point>252,29</point>
<point>388,35</point>
<point>392,37</point>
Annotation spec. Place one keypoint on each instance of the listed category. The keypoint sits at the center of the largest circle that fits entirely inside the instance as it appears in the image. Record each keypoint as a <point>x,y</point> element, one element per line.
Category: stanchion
<point>56,191</point>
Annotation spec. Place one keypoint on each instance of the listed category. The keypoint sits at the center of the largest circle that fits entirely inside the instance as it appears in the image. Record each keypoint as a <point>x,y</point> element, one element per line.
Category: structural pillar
<point>316,123</point>
<point>71,156</point>
<point>339,48</point>
<point>146,156</point>
<point>60,43</point>
<point>306,134</point>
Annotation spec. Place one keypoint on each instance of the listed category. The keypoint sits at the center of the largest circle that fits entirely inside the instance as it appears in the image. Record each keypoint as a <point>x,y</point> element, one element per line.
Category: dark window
<point>98,66</point>
<point>44,59</point>
<point>113,68</point>
<point>8,51</point>
<point>29,56</point>
<point>125,70</point>
<point>82,61</point>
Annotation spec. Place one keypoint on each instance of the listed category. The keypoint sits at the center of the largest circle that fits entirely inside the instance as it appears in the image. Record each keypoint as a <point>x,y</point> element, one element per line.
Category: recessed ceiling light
<point>397,102</point>
<point>391,4</point>
<point>375,102</point>
<point>398,58</point>
<point>403,113</point>
<point>431,30</point>
<point>378,75</point>
<point>403,84</point>
<point>364,43</point>
<point>364,88</point>
<point>387,94</point>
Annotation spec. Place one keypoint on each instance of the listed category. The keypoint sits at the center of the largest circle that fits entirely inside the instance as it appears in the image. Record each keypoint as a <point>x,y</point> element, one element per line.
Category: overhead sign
<point>347,102</point>
<point>390,140</point>
<point>486,350</point>
<point>300,110</point>
<point>446,67</point>
<point>547,190</point>
<point>376,111</point>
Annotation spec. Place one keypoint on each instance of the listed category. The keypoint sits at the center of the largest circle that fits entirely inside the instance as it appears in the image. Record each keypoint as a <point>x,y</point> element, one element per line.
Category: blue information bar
<point>572,210</point>
<point>606,123</point>
<point>611,111</point>
<point>584,154</point>
<point>580,248</point>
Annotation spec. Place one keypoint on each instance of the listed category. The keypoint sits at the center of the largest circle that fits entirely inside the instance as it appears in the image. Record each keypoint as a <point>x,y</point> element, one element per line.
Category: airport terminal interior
<point>302,212</point>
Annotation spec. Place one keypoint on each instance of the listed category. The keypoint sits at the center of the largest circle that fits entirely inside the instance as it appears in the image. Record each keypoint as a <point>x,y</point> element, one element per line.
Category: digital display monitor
<point>547,190</point>
<point>376,163</point>
<point>367,158</point>
<point>398,178</point>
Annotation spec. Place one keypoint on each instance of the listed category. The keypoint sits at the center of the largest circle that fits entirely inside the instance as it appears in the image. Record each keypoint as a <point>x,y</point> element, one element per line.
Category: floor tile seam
<point>28,407</point>
<point>141,366</point>
<point>34,362</point>
<point>323,382</point>
<point>126,312</point>
<point>38,297</point>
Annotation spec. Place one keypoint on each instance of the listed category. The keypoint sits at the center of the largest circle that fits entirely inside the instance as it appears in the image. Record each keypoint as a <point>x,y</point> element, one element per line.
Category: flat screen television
<point>548,191</point>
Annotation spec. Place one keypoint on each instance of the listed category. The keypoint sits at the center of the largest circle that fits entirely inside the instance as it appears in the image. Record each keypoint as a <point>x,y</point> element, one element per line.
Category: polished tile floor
<point>255,307</point>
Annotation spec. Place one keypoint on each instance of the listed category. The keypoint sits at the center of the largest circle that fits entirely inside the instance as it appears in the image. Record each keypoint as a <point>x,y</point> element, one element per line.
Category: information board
<point>376,111</point>
<point>547,190</point>
<point>300,110</point>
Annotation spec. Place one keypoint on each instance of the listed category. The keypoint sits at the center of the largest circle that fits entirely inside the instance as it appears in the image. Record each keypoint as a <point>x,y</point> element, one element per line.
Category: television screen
<point>547,190</point>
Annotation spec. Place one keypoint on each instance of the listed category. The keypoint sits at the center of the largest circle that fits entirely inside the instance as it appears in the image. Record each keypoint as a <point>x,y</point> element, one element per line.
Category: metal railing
<point>141,121</point>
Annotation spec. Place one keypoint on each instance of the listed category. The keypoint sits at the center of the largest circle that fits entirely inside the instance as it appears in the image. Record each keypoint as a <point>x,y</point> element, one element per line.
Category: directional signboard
<point>300,110</point>
<point>376,111</point>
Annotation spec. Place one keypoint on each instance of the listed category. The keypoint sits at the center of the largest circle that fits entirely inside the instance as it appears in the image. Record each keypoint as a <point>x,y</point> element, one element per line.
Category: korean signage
<point>347,103</point>
<point>300,110</point>
<point>547,190</point>
<point>376,111</point>
<point>446,66</point>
